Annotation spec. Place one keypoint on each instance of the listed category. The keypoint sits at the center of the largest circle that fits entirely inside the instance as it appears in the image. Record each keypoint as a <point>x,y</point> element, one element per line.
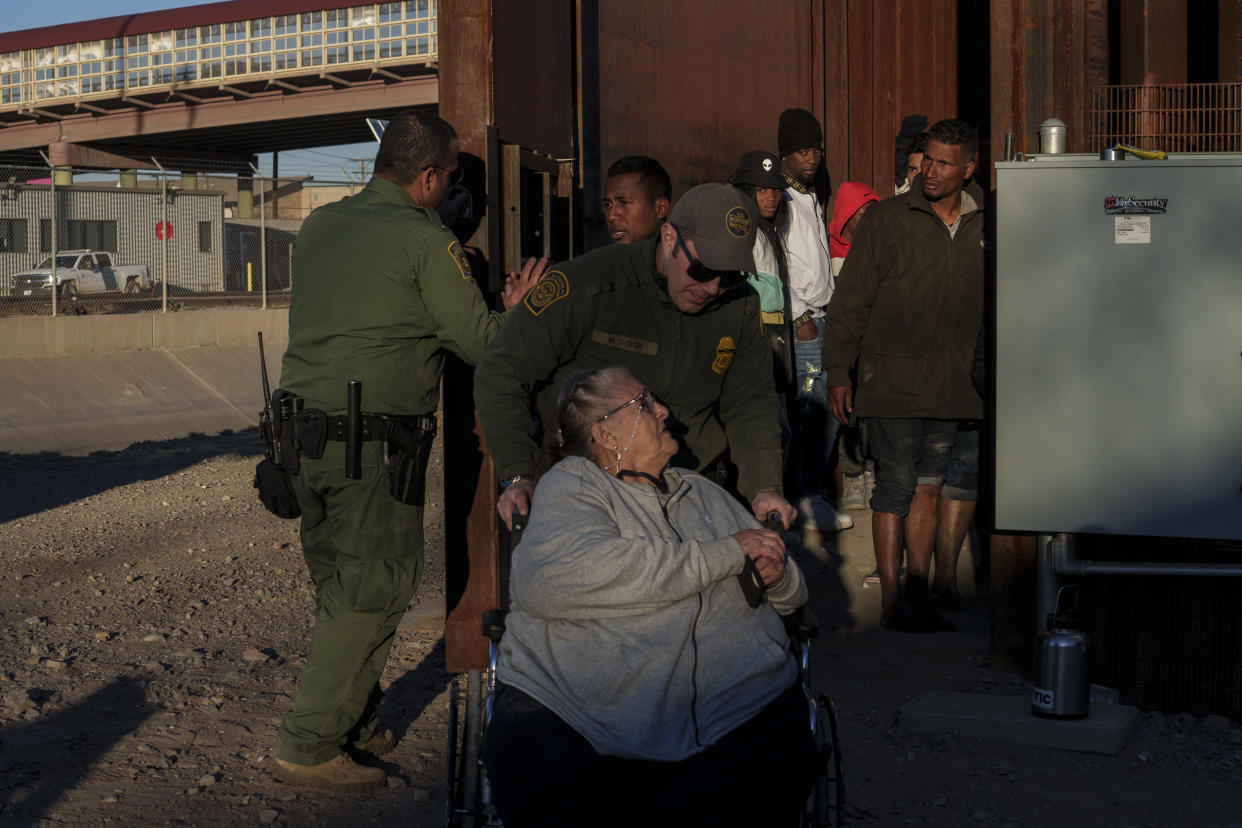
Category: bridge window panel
<point>285,23</point>
<point>11,62</point>
<point>163,74</point>
<point>261,63</point>
<point>67,53</point>
<point>187,37</point>
<point>389,41</point>
<point>312,57</point>
<point>336,18</point>
<point>312,40</point>
<point>261,28</point>
<point>136,79</point>
<point>162,41</point>
<point>362,16</point>
<point>417,9</point>
<point>136,43</point>
<point>210,66</point>
<point>44,57</point>
<point>12,235</point>
<point>235,31</point>
<point>185,72</point>
<point>284,44</point>
<point>388,12</point>
<point>209,34</point>
<point>364,51</point>
<point>312,21</point>
<point>336,54</point>
<point>335,38</point>
<point>70,71</point>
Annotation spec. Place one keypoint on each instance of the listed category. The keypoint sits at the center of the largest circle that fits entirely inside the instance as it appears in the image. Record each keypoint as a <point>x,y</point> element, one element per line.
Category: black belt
<point>379,426</point>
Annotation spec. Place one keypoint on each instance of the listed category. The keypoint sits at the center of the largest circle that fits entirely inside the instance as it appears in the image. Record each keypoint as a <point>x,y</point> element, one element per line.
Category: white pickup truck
<point>80,272</point>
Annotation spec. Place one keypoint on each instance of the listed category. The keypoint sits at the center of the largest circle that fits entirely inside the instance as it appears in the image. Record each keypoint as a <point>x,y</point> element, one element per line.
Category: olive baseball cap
<point>716,217</point>
<point>759,168</point>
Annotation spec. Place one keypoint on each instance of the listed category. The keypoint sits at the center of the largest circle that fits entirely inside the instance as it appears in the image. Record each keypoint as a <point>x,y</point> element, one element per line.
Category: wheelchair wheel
<point>462,789</point>
<point>826,805</point>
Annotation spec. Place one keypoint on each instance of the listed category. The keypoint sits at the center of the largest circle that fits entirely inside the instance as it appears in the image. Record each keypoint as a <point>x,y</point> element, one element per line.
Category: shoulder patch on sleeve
<point>459,256</point>
<point>551,288</point>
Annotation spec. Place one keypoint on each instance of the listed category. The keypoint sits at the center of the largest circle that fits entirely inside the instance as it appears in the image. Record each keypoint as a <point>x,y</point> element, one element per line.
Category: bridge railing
<point>313,42</point>
<point>171,241</point>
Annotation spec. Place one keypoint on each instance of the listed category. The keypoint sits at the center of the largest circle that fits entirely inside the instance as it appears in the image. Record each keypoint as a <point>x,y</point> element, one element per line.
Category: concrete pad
<point>1009,719</point>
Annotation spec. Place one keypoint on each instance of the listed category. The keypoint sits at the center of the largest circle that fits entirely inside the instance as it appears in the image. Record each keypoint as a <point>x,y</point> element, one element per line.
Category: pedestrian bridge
<point>235,77</point>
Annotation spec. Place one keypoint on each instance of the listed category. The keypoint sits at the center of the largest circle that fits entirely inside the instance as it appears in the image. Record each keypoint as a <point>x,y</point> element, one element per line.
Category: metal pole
<point>52,177</point>
<point>1046,580</point>
<point>262,239</point>
<point>164,243</point>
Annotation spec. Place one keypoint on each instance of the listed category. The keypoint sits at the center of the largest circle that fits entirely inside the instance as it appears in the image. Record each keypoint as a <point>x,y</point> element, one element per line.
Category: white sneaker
<point>818,515</point>
<point>854,493</point>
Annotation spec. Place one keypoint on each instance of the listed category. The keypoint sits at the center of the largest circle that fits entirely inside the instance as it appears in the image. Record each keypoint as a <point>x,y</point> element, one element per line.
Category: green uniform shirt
<point>712,369</point>
<point>380,288</point>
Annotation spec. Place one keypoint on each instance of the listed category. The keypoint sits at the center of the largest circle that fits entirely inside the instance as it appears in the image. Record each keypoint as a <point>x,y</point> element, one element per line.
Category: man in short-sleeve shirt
<point>381,291</point>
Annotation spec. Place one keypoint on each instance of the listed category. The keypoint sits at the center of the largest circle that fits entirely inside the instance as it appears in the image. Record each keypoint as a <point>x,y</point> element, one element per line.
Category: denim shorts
<point>961,479</point>
<point>908,453</point>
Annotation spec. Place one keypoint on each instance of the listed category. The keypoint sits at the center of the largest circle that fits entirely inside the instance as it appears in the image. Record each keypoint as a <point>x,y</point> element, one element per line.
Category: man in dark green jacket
<point>908,310</point>
<point>674,310</point>
<point>381,290</point>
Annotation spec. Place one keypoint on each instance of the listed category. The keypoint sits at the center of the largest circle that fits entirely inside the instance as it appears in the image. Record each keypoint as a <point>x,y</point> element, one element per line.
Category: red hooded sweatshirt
<point>845,203</point>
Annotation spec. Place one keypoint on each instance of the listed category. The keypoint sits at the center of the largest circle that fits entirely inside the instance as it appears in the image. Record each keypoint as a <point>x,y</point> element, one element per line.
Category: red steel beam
<point>177,117</point>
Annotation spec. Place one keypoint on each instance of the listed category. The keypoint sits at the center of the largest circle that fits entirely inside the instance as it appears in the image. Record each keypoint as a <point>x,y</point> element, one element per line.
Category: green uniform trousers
<point>364,551</point>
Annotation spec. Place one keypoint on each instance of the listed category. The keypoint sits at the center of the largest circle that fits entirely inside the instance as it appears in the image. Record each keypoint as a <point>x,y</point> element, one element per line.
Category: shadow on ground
<point>34,778</point>
<point>32,483</point>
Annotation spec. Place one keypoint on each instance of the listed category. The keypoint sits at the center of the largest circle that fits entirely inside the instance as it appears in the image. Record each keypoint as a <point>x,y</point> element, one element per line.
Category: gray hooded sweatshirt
<point>626,618</point>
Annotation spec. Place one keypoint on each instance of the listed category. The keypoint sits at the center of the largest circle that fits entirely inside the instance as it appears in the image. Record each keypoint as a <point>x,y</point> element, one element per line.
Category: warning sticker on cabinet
<point>1132,230</point>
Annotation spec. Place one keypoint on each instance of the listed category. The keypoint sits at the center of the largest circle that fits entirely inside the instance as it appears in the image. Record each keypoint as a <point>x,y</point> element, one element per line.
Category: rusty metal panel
<point>1046,56</point>
<point>694,89</point>
<point>534,75</point>
<point>1230,41</point>
<point>472,580</point>
<point>1153,41</point>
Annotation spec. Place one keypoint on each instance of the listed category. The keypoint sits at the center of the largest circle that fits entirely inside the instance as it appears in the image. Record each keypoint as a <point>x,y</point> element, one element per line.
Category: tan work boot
<point>340,774</point>
<point>381,743</point>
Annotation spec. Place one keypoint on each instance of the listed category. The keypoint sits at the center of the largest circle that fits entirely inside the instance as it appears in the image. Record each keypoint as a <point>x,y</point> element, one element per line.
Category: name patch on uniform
<point>553,287</point>
<point>626,343</point>
<point>459,256</point>
<point>724,354</point>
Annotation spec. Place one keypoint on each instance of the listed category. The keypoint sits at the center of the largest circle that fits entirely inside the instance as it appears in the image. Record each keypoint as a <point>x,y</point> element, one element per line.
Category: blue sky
<point>323,163</point>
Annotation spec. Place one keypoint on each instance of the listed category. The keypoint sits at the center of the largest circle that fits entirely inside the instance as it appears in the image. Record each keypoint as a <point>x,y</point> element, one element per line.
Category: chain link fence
<point>125,241</point>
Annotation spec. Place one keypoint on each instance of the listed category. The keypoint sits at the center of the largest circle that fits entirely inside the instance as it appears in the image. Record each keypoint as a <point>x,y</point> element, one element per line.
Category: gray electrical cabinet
<point>1119,346</point>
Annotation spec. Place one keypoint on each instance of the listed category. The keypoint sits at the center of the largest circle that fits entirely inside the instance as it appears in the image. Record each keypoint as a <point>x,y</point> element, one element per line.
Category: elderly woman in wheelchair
<point>637,681</point>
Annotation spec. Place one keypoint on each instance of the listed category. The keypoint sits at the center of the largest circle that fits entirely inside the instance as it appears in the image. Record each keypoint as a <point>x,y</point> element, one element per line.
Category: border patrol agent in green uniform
<point>381,290</point>
<point>674,311</point>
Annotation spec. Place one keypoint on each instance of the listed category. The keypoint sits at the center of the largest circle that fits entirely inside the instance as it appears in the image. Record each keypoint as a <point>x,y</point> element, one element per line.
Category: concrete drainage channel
<point>74,386</point>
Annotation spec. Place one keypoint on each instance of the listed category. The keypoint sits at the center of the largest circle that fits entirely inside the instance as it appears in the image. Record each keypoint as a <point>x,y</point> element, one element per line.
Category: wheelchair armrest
<point>801,624</point>
<point>494,624</point>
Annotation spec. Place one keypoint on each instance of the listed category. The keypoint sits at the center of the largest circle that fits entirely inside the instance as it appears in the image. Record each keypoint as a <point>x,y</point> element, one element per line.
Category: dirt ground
<point>154,621</point>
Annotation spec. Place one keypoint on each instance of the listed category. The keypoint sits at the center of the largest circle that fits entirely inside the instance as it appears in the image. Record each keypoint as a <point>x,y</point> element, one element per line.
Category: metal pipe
<point>1067,562</point>
<point>1047,579</point>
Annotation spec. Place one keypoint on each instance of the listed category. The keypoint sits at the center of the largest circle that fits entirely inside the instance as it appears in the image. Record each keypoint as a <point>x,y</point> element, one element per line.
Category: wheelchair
<point>468,801</point>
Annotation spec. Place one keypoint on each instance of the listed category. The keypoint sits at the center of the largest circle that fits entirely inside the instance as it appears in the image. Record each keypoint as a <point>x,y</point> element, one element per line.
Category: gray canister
<point>1062,689</point>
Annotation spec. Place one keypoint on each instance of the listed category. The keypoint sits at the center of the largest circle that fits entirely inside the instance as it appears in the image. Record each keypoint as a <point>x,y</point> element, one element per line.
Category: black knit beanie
<point>798,130</point>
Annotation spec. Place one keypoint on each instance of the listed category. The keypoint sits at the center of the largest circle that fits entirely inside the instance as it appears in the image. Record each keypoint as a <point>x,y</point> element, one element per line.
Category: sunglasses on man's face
<point>699,272</point>
<point>453,175</point>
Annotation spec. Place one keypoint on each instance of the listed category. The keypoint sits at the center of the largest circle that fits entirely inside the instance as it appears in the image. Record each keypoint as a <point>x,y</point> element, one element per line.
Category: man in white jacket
<point>801,139</point>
